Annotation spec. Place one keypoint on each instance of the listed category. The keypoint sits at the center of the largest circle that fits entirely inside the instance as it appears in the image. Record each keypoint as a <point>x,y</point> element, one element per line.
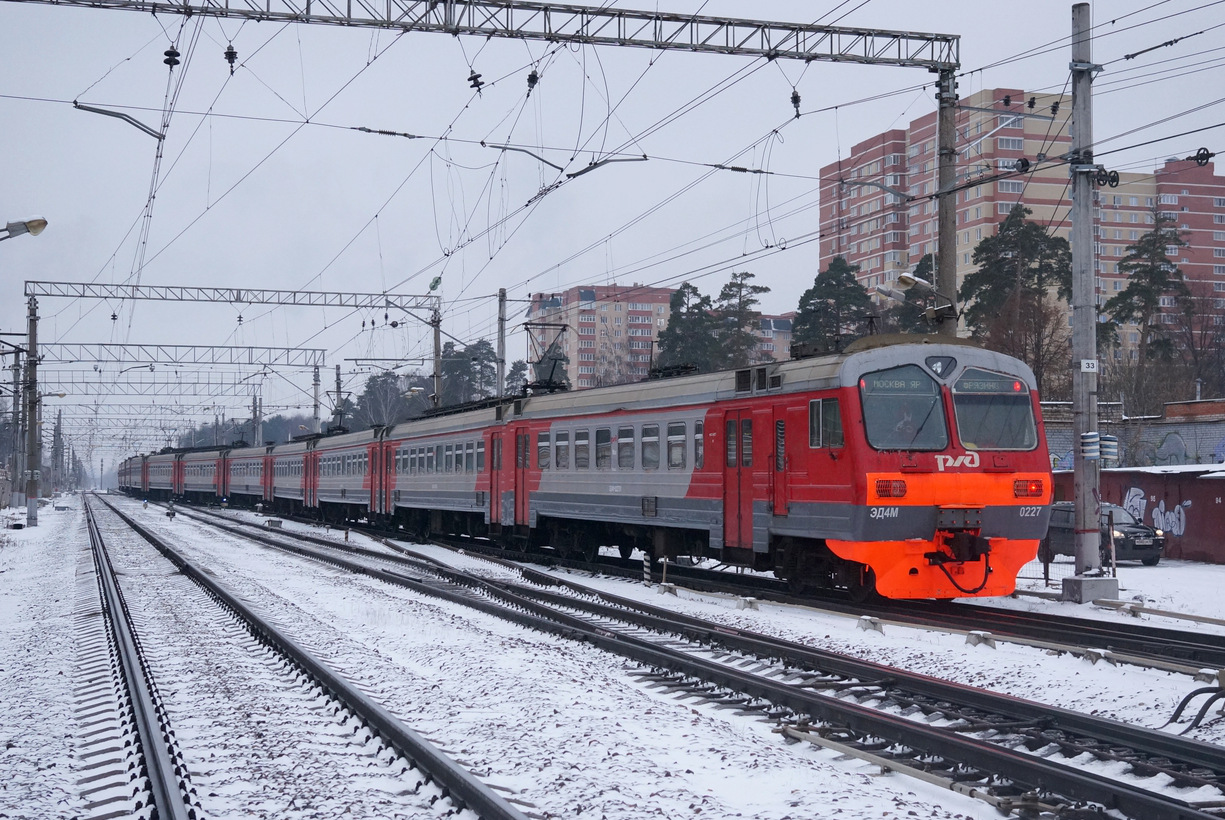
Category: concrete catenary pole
<point>1084,321</point>
<point>315,424</point>
<point>501,388</point>
<point>946,201</point>
<point>33,445</point>
<point>436,323</point>
<point>18,496</point>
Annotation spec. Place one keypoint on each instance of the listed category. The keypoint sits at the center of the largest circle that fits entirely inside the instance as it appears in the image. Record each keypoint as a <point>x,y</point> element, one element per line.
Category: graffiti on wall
<point>1172,521</point>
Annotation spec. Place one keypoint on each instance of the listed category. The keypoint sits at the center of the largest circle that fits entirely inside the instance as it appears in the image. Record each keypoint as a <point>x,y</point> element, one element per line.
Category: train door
<point>523,460</point>
<point>495,479</point>
<point>375,474</point>
<point>738,479</point>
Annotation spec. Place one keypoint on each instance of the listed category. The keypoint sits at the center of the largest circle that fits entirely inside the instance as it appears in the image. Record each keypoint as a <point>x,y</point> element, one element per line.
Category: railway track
<point>349,725</point>
<point>1199,654</point>
<point>1018,755</point>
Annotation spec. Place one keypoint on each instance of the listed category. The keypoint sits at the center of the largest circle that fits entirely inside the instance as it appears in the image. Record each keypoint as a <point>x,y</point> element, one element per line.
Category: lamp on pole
<point>33,226</point>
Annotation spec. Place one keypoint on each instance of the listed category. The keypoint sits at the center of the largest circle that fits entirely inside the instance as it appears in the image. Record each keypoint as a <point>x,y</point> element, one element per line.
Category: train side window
<point>603,448</point>
<point>543,450</point>
<point>448,465</point>
<point>824,423</point>
<point>650,446</point>
<point>480,456</point>
<point>731,443</point>
<point>523,450</point>
<point>495,453</point>
<point>831,423</point>
<point>625,448</point>
<point>436,459</point>
<point>582,449</point>
<point>561,457</point>
<point>699,446</point>
<point>676,445</point>
<point>746,442</point>
<point>470,457</point>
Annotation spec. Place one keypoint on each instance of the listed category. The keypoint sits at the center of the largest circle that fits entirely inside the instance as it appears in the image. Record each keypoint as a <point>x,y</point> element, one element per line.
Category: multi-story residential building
<point>878,206</point>
<point>774,337</point>
<point>611,332</point>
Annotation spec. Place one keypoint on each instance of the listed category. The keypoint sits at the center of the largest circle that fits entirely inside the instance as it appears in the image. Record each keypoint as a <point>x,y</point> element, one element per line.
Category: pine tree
<point>690,337</point>
<point>1151,276</point>
<point>736,309</point>
<point>833,312</point>
<point>1011,300</point>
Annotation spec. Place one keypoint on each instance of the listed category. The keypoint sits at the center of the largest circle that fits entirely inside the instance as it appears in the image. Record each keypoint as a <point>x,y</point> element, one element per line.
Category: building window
<point>1011,186</point>
<point>1169,199</point>
<point>1010,144</point>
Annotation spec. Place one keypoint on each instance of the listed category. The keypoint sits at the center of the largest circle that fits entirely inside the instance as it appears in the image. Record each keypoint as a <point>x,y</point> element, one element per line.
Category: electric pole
<point>33,445</point>
<point>1087,585</point>
<point>501,388</point>
<point>946,202</point>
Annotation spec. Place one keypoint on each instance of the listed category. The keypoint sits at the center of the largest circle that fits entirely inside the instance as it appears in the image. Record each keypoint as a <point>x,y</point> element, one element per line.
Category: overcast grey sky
<point>254,195</point>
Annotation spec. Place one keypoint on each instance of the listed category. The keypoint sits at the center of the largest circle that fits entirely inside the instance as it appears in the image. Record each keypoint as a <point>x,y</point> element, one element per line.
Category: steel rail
<point>164,773</point>
<point>1036,772</point>
<point>461,786</point>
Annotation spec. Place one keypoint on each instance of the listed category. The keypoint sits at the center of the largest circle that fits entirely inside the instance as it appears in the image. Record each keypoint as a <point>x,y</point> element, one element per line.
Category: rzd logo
<point>968,460</point>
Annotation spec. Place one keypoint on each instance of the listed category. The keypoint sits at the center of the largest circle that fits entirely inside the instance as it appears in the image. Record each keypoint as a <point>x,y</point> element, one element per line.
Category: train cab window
<point>561,456</point>
<point>676,445</point>
<point>582,449</point>
<point>625,448</point>
<point>480,456</point>
<point>824,423</point>
<point>699,446</point>
<point>903,409</point>
<point>603,448</point>
<point>650,446</point>
<point>994,412</point>
<point>543,451</point>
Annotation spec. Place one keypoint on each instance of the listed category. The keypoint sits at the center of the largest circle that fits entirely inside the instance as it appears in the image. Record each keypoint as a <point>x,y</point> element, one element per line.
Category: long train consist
<point>916,469</point>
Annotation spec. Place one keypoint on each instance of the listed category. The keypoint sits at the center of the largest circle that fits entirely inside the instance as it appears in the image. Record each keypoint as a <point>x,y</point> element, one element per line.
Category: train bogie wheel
<point>863,589</point>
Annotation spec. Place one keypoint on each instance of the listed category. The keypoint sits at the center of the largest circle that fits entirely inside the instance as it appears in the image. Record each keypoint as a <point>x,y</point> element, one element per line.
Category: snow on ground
<point>560,721</point>
<point>37,585</point>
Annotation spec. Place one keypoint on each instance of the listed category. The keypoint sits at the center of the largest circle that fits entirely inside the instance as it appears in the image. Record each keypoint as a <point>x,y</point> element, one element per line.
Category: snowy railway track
<point>1018,755</point>
<point>261,721</point>
<point>1197,653</point>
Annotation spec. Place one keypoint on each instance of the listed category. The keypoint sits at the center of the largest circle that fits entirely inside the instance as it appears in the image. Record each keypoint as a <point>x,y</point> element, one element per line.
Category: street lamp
<point>33,226</point>
<point>907,281</point>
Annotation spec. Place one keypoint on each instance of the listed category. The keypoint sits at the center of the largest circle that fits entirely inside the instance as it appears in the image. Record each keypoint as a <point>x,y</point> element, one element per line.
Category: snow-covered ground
<point>564,725</point>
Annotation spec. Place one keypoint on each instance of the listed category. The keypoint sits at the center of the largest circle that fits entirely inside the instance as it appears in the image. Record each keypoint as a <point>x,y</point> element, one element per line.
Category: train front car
<point>956,478</point>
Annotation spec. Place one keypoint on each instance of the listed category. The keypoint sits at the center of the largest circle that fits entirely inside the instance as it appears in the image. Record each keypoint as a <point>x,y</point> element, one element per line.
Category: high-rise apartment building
<point>878,206</point>
<point>610,333</point>
<point>610,330</point>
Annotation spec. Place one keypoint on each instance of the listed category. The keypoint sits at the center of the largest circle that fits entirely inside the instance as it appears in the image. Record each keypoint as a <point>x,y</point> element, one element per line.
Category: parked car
<point>1133,540</point>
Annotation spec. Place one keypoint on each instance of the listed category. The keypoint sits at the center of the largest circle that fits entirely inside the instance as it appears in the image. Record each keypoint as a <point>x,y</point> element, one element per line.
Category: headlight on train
<point>1027,488</point>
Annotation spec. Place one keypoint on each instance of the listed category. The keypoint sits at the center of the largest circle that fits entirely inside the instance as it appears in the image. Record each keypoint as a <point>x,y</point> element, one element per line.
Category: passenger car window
<point>650,446</point>
<point>625,448</point>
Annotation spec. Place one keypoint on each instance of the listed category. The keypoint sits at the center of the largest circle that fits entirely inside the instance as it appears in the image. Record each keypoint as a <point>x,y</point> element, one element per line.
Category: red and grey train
<point>917,469</point>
